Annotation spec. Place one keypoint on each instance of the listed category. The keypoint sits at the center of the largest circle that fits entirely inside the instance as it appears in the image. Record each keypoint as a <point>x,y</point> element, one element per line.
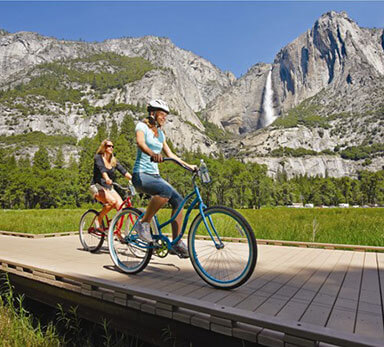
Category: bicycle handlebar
<point>121,187</point>
<point>178,163</point>
<point>130,188</point>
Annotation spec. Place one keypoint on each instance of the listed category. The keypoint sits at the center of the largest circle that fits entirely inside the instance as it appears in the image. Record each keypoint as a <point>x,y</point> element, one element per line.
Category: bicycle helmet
<point>157,104</point>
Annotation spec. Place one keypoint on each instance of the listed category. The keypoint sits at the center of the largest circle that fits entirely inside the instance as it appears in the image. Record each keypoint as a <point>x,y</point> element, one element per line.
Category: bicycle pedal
<point>180,255</point>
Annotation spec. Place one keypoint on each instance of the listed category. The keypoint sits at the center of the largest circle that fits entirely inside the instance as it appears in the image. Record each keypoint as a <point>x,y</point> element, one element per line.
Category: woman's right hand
<point>157,158</point>
<point>108,181</point>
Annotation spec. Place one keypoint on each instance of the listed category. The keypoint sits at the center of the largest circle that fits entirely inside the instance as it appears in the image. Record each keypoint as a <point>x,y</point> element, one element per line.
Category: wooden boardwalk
<point>296,296</point>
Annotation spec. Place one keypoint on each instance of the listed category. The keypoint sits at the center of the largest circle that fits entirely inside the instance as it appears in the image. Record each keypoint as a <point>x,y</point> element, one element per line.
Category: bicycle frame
<point>198,200</point>
<point>127,202</point>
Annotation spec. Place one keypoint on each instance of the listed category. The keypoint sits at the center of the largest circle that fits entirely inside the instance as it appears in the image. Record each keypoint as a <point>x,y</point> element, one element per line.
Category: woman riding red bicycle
<point>105,165</point>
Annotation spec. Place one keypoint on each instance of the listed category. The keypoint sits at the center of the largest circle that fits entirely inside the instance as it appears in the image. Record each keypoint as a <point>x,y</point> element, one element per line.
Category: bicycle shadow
<point>102,250</point>
<point>153,267</point>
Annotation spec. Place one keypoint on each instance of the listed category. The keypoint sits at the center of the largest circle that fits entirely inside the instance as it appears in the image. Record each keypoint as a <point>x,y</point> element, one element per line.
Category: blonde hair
<point>101,150</point>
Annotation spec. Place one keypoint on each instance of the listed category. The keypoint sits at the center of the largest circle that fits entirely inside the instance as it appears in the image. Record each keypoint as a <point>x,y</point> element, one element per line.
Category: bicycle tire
<point>231,265</point>
<point>126,254</point>
<point>90,241</point>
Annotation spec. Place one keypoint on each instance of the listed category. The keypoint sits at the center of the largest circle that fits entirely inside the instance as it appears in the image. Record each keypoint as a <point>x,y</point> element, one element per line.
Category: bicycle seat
<point>97,201</point>
<point>144,196</point>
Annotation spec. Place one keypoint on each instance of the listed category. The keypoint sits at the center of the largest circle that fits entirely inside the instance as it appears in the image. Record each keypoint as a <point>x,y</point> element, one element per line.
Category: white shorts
<point>94,189</point>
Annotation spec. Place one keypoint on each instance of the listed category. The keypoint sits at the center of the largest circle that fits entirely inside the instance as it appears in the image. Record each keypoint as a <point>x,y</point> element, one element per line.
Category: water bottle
<point>204,174</point>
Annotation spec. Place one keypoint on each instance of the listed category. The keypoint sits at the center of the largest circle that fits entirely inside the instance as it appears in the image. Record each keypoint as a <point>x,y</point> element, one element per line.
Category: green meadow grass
<point>40,221</point>
<point>362,226</point>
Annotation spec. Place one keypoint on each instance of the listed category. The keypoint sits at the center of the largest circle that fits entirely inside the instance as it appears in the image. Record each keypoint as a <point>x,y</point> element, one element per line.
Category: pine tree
<point>114,131</point>
<point>128,128</point>
<point>59,162</point>
<point>41,159</point>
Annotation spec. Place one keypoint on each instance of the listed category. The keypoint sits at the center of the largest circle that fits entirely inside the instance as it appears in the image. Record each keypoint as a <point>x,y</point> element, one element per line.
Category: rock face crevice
<point>382,40</point>
<point>304,61</point>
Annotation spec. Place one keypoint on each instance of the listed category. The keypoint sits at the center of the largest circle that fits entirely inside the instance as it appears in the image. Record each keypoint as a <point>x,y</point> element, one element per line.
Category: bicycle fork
<point>214,235</point>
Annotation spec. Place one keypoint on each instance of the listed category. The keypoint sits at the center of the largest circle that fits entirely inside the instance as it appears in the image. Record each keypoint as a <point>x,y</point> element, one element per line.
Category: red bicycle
<point>91,238</point>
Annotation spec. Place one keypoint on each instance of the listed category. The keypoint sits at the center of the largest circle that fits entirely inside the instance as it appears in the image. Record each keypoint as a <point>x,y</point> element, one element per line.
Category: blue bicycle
<point>221,244</point>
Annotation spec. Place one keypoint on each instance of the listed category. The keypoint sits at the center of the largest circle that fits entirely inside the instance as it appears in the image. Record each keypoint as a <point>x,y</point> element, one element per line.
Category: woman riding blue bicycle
<point>151,142</point>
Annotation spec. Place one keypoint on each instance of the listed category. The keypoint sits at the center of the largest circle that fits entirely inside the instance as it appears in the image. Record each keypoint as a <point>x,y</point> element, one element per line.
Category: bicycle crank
<point>161,249</point>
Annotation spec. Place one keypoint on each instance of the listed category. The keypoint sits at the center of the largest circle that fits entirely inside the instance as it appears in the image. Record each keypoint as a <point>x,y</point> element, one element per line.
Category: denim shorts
<point>153,184</point>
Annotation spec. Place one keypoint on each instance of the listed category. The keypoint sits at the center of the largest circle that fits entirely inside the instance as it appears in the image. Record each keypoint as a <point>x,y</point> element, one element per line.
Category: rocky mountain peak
<point>336,55</point>
<point>334,16</point>
<point>3,32</point>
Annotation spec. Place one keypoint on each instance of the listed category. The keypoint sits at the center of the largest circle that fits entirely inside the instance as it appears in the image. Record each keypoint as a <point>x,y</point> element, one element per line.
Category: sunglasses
<point>112,146</point>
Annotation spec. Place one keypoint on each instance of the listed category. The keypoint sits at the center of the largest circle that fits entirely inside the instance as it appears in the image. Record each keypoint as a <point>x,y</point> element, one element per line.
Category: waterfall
<point>268,112</point>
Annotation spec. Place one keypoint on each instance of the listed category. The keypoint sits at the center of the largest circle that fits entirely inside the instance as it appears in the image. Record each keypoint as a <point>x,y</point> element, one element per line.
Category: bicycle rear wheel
<point>128,253</point>
<point>90,238</point>
<point>226,257</point>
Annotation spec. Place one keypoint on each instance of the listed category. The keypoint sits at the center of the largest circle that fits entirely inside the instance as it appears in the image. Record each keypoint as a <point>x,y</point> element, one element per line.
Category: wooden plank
<point>278,284</point>
<point>271,338</point>
<point>265,266</point>
<point>270,288</point>
<point>265,256</point>
<point>241,240</point>
<point>369,320</point>
<point>380,264</point>
<point>164,283</point>
<point>269,283</point>
<point>280,298</point>
<point>319,309</point>
<point>282,256</point>
<point>343,314</point>
<point>295,307</point>
<point>246,332</point>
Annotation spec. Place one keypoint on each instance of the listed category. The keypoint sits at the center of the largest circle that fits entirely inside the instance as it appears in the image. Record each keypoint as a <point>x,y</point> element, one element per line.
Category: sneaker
<point>180,249</point>
<point>144,231</point>
<point>98,227</point>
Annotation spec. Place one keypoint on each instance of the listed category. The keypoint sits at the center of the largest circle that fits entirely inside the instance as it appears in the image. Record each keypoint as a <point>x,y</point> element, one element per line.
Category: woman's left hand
<point>193,167</point>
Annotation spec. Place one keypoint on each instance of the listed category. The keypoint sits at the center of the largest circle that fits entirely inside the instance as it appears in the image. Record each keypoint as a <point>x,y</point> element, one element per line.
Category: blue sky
<point>232,35</point>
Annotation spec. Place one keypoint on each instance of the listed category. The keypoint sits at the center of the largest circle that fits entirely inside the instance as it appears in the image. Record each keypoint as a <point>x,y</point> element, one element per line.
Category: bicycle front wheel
<point>90,238</point>
<point>224,254</point>
<point>128,253</point>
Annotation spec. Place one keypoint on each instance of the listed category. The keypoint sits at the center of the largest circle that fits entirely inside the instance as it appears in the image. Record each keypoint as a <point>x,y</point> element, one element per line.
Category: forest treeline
<point>38,182</point>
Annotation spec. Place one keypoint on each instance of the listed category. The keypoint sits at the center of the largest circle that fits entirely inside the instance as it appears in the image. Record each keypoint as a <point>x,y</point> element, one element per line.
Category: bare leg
<point>117,198</point>
<point>176,224</point>
<point>156,203</point>
<point>103,212</point>
<point>110,199</point>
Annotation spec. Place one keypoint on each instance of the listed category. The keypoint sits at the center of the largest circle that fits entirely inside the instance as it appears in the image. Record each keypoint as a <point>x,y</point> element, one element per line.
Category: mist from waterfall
<point>268,112</point>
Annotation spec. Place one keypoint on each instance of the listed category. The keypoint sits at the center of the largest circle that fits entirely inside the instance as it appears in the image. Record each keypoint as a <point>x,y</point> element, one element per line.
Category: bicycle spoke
<point>128,255</point>
<point>90,238</point>
<point>231,263</point>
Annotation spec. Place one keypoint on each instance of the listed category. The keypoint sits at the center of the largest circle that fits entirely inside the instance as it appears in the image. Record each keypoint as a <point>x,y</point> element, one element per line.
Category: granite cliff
<point>319,99</point>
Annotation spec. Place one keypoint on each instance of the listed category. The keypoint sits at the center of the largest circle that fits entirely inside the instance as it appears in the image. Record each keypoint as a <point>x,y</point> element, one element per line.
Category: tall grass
<point>337,225</point>
<point>17,325</point>
<point>350,226</point>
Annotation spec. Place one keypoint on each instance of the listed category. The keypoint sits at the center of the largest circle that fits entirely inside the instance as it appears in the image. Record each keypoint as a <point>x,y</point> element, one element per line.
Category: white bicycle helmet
<point>157,104</point>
